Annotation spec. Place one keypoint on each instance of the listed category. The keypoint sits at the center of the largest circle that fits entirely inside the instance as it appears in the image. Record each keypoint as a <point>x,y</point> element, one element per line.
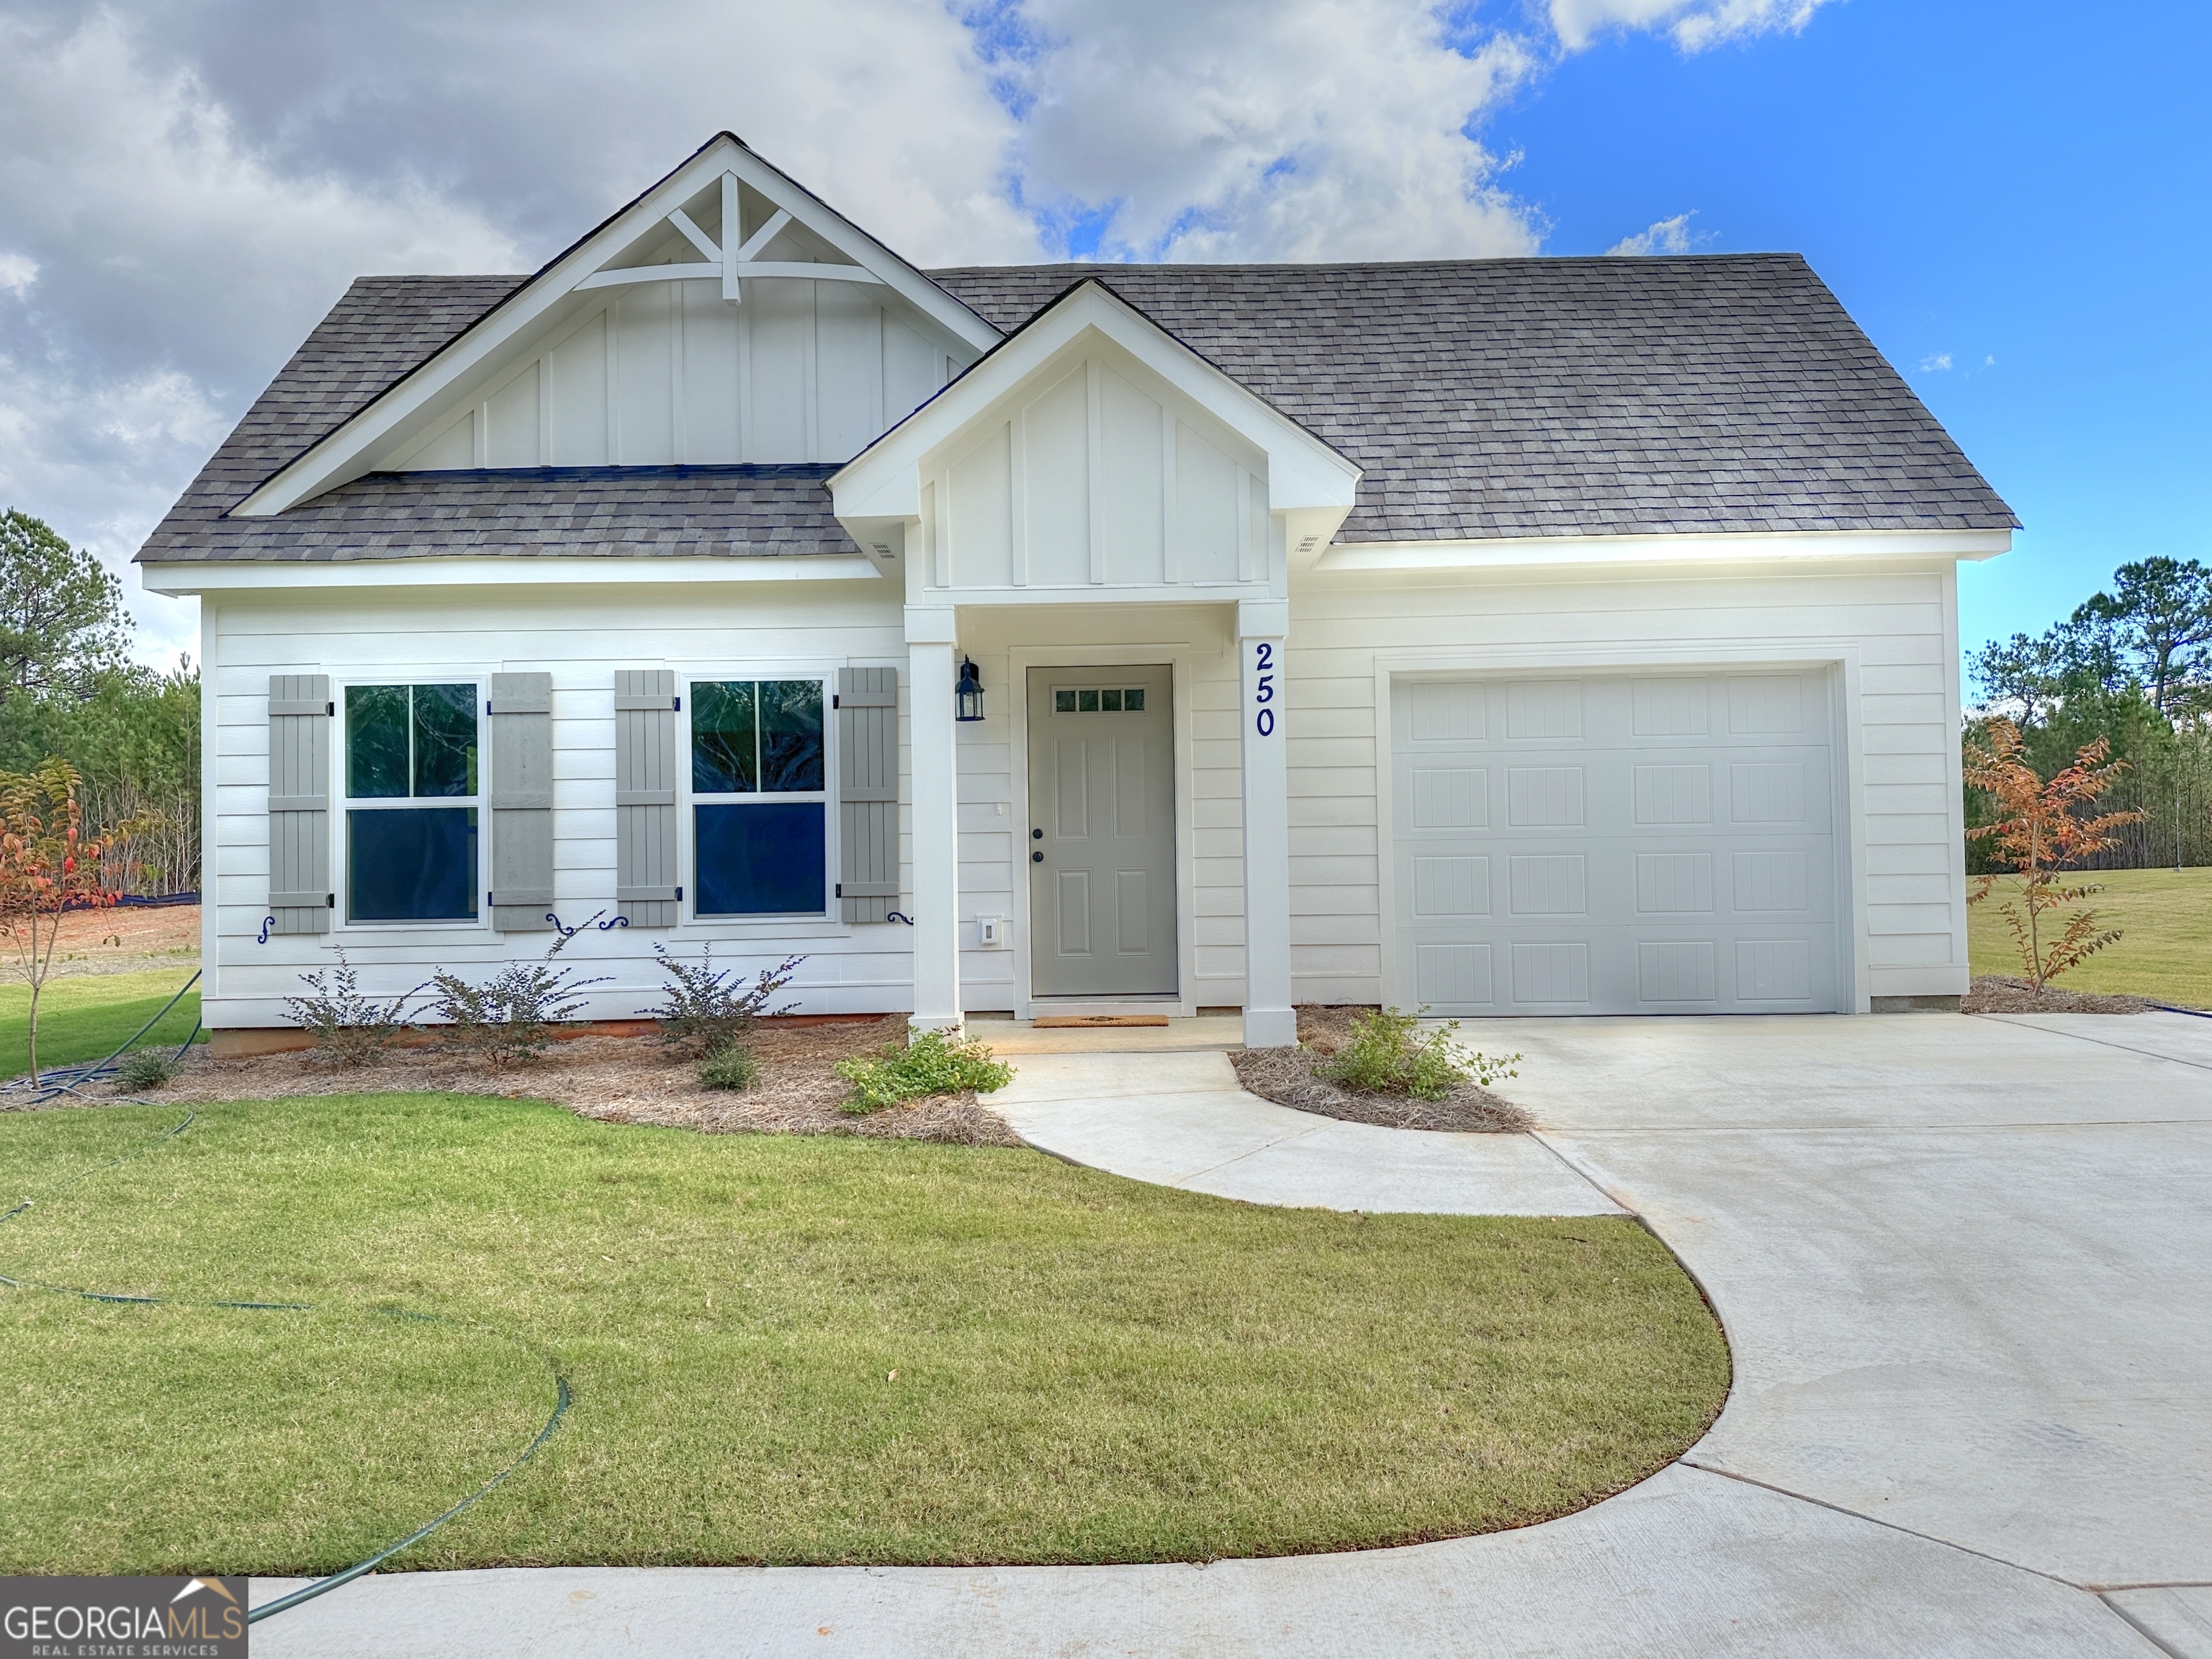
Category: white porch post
<point>929,635</point>
<point>1269,1020</point>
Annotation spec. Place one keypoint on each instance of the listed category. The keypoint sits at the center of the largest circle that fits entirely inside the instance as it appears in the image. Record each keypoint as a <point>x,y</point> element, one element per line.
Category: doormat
<point>1063,1022</point>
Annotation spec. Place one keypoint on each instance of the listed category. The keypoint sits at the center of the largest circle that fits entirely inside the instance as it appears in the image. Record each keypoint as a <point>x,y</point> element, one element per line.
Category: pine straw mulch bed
<point>1994,993</point>
<point>1285,1076</point>
<point>629,1079</point>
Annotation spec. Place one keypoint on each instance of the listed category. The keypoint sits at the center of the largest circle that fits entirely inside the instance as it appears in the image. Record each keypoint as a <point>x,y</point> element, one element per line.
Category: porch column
<point>932,766</point>
<point>1269,1020</point>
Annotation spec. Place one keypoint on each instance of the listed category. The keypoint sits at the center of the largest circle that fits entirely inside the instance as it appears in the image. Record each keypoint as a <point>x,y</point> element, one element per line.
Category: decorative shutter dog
<point>867,793</point>
<point>300,894</point>
<point>647,884</point>
<point>520,718</point>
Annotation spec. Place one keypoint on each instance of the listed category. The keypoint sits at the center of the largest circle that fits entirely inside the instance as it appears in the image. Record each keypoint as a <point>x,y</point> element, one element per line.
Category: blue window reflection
<point>411,864</point>
<point>761,860</point>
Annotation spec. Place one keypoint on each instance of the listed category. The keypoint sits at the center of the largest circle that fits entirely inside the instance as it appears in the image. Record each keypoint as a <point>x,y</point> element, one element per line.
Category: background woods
<point>2132,667</point>
<point>67,690</point>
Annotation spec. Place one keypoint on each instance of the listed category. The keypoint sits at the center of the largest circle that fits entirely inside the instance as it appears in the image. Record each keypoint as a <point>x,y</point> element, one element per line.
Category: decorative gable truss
<point>726,317</point>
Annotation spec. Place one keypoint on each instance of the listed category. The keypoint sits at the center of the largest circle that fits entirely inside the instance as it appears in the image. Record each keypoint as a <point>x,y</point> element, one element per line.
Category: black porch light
<point>968,695</point>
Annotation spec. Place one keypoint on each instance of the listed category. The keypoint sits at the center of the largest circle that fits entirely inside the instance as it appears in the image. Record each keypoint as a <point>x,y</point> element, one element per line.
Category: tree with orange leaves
<point>2040,829</point>
<point>47,865</point>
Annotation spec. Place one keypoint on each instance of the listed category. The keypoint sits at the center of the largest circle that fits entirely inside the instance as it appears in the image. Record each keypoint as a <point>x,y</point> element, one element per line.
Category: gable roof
<point>1543,397</point>
<point>1501,398</point>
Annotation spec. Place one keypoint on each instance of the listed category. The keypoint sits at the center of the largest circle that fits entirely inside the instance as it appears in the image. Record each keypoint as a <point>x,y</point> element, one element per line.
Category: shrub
<point>348,1027</point>
<point>511,1016</point>
<point>704,1012</point>
<point>730,1067</point>
<point>931,1063</point>
<point>1387,1055</point>
<point>147,1068</point>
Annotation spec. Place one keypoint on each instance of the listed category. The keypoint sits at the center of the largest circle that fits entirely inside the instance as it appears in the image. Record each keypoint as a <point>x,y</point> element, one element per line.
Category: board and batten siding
<point>581,638</point>
<point>670,373</point>
<point>1897,621</point>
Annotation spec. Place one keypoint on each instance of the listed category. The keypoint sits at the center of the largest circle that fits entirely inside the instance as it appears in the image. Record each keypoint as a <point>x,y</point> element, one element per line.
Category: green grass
<point>2165,951</point>
<point>1087,1369</point>
<point>84,1016</point>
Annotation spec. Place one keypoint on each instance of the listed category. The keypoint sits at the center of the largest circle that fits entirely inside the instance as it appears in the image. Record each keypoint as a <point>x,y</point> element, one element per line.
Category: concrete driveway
<point>1966,1266</point>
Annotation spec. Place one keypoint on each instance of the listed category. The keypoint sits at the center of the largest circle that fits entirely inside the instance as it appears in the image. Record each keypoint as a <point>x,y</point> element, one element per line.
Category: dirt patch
<point>127,939</point>
<point>1993,993</point>
<point>629,1080</point>
<point>1285,1076</point>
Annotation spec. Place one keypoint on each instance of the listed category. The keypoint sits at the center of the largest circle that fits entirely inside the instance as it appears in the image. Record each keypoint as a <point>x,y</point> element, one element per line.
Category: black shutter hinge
<point>329,901</point>
<point>841,890</point>
<point>680,896</point>
<point>676,703</point>
<point>330,708</point>
<point>833,700</point>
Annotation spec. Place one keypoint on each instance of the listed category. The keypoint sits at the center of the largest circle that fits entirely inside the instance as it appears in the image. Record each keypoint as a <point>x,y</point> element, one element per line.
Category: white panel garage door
<point>1613,844</point>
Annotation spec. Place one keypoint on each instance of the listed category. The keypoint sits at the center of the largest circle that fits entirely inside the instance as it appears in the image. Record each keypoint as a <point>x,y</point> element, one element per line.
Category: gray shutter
<point>520,716</point>
<point>647,883</point>
<point>867,793</point>
<point>299,896</point>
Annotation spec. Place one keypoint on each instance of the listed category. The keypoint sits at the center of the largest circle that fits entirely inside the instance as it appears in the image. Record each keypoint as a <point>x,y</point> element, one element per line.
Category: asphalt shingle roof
<point>1483,398</point>
<point>1496,397</point>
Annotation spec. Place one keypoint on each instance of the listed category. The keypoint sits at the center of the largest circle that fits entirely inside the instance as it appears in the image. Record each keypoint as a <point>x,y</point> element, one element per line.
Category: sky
<point>2008,194</point>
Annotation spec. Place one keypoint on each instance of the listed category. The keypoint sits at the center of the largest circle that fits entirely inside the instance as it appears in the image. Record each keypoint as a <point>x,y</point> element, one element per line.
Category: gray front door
<point>1102,832</point>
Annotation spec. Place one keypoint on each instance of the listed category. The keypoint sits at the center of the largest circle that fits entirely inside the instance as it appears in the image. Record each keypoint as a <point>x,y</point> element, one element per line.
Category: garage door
<point>1657,844</point>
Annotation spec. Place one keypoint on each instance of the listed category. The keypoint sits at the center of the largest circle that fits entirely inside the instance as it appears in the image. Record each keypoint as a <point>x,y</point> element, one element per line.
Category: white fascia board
<point>507,571</point>
<point>885,480</point>
<point>346,453</point>
<point>1521,552</point>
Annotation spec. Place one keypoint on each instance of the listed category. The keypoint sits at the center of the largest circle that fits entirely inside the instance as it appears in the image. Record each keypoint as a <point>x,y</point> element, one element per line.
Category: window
<point>407,746</point>
<point>760,799</point>
<point>1105,700</point>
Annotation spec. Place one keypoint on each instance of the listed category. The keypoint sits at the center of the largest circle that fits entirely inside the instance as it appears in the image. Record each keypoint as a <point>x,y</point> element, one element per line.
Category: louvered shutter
<point>519,712</point>
<point>646,882</point>
<point>867,793</point>
<point>300,895</point>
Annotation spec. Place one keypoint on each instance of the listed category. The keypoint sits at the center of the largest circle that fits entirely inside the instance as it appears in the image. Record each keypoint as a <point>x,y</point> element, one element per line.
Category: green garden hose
<point>563,1397</point>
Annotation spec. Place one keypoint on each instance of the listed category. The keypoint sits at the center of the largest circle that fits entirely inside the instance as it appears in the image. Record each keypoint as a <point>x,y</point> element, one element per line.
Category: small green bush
<point>730,1067</point>
<point>147,1068</point>
<point>931,1063</point>
<point>1387,1055</point>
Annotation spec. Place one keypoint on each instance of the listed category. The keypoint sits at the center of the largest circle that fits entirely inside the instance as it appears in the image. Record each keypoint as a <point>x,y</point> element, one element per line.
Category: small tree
<point>47,865</point>
<point>2039,829</point>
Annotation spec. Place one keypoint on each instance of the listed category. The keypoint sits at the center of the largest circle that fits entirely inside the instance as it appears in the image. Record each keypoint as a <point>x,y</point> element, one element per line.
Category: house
<point>1508,636</point>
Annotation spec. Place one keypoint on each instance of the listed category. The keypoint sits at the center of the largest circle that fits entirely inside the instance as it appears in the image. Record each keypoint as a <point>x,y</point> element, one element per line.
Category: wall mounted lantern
<point>968,695</point>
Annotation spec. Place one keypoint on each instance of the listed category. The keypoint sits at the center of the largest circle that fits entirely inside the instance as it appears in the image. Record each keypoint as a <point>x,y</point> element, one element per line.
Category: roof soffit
<point>883,481</point>
<point>567,286</point>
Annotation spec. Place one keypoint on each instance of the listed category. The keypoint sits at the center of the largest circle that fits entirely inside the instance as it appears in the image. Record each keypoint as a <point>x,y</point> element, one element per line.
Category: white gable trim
<point>506,572</point>
<point>884,481</point>
<point>348,453</point>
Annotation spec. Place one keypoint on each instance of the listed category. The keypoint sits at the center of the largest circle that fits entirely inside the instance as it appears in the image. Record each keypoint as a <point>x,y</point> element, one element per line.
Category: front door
<point>1102,841</point>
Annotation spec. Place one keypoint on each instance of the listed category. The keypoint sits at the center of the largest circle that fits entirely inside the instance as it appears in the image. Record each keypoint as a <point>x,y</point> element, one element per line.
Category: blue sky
<point>2009,196</point>
<point>2021,182</point>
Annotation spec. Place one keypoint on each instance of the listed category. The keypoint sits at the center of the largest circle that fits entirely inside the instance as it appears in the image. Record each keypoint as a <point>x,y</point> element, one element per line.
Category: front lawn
<point>783,1349</point>
<point>2165,952</point>
<point>83,1016</point>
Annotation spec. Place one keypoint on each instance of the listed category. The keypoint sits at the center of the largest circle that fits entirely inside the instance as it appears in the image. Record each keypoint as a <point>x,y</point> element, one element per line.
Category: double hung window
<point>412,790</point>
<point>760,799</point>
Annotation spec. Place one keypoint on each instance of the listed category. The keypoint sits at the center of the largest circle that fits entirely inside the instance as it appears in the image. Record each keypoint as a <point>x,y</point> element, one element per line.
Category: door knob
<point>1036,858</point>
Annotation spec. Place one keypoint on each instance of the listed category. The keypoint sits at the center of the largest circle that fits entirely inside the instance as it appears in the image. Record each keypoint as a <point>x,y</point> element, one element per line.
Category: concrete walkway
<point>1966,1269</point>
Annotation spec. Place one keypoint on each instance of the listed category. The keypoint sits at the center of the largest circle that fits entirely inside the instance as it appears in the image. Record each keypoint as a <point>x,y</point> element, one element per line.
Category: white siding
<point>581,636</point>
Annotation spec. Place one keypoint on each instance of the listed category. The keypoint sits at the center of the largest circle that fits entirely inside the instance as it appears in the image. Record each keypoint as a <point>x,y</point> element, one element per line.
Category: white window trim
<point>343,929</point>
<point>828,919</point>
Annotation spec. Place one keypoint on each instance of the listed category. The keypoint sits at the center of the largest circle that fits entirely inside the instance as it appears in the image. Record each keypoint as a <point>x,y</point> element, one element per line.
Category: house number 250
<point>1263,687</point>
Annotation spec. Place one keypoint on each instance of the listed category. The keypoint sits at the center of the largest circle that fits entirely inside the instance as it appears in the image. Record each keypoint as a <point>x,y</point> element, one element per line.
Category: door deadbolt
<point>1036,835</point>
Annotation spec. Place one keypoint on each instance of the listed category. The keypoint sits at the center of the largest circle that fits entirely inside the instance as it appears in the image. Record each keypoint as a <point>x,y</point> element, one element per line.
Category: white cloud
<point>1935,363</point>
<point>1661,236</point>
<point>1695,25</point>
<point>1332,130</point>
<point>18,273</point>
